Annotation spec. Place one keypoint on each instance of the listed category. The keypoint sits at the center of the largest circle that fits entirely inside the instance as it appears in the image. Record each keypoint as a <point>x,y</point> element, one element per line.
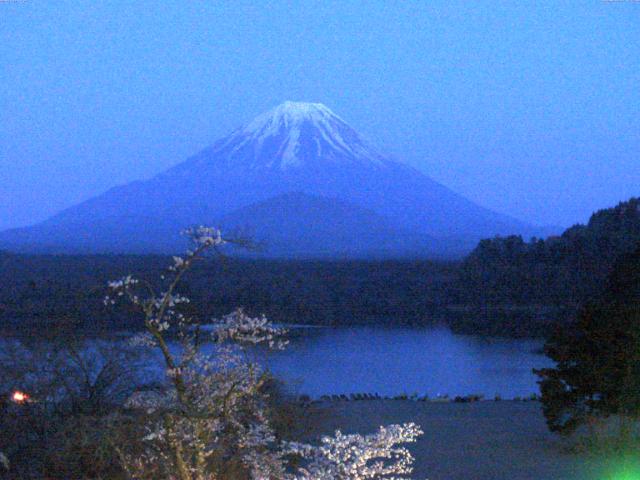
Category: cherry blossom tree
<point>210,417</point>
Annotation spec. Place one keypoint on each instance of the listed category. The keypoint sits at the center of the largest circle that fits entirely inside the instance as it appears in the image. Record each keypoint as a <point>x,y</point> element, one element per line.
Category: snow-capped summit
<point>290,114</point>
<point>294,134</point>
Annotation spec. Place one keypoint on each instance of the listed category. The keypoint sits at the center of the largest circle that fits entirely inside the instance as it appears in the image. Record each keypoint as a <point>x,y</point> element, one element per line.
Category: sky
<point>529,108</point>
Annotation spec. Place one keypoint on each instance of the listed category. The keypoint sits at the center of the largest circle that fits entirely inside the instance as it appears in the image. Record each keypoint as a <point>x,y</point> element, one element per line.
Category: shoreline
<point>359,397</point>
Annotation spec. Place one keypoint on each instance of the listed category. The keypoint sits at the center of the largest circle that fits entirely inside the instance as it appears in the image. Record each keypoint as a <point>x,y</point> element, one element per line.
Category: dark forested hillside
<point>510,286</point>
<point>44,290</point>
<point>560,270</point>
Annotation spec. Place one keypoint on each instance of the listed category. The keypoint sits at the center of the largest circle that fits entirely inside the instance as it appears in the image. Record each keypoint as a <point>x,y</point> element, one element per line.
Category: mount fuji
<point>297,178</point>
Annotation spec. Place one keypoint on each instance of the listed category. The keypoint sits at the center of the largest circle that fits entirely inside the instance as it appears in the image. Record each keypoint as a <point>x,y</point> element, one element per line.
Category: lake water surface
<point>392,361</point>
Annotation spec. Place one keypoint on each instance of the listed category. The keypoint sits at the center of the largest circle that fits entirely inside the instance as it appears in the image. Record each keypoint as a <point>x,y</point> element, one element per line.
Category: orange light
<point>20,397</point>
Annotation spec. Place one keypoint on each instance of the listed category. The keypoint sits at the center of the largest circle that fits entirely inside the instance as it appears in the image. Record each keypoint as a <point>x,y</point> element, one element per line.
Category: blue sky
<point>530,108</point>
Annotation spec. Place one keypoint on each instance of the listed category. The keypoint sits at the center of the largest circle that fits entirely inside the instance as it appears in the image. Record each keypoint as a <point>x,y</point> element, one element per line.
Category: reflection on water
<point>393,361</point>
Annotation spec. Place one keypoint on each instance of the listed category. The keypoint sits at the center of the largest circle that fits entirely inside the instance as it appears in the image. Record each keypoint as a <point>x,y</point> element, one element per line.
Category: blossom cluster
<point>203,236</point>
<point>239,327</point>
<point>358,457</point>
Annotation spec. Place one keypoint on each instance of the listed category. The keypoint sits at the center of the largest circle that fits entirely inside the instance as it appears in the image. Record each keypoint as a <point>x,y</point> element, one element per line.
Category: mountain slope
<point>296,147</point>
<point>302,225</point>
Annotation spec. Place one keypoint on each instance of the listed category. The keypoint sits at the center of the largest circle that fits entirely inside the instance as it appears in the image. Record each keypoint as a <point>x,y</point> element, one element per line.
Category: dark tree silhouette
<point>598,358</point>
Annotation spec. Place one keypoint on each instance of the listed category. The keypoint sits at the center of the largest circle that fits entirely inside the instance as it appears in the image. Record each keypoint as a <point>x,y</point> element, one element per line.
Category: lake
<point>392,361</point>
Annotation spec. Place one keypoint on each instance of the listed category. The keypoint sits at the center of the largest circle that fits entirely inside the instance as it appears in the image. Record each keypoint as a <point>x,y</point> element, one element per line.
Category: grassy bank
<point>505,440</point>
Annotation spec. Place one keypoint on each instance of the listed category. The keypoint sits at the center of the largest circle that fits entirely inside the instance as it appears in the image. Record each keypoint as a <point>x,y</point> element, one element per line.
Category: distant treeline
<point>506,286</point>
<point>520,288</point>
<point>45,290</point>
<point>562,270</point>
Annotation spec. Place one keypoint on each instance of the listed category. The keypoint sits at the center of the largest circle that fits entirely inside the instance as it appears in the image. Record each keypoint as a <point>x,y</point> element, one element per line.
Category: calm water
<point>392,361</point>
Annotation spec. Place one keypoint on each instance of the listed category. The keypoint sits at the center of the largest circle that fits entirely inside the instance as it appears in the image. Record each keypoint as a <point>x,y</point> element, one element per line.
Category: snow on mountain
<point>295,147</point>
<point>292,135</point>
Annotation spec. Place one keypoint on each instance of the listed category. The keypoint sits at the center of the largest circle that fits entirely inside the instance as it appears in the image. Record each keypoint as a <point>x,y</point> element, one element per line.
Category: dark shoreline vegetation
<point>67,291</point>
<point>505,287</point>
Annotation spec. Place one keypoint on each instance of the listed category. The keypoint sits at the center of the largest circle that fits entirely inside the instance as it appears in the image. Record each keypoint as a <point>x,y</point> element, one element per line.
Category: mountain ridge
<point>295,147</point>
